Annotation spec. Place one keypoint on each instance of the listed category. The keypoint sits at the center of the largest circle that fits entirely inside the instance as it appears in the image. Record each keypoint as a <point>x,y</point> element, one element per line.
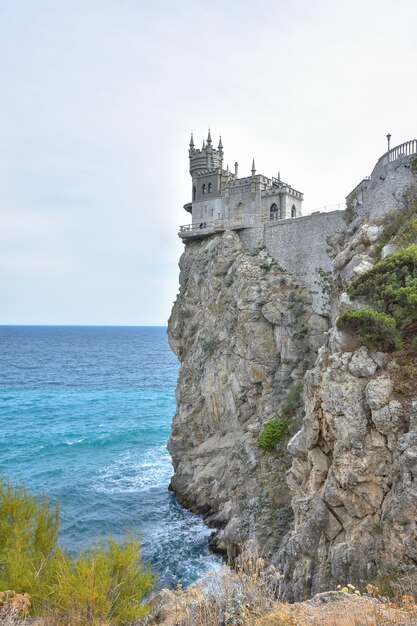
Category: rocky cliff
<point>245,334</point>
<point>355,457</point>
<point>335,499</point>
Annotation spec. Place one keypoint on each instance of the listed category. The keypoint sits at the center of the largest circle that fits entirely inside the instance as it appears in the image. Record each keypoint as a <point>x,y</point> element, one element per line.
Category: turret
<point>191,143</point>
<point>207,158</point>
<point>206,168</point>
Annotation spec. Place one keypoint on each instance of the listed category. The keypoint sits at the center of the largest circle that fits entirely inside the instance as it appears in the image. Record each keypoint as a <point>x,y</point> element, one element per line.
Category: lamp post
<point>388,139</point>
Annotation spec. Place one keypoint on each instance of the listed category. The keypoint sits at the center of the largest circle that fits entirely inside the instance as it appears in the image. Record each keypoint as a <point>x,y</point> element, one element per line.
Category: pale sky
<point>97,102</point>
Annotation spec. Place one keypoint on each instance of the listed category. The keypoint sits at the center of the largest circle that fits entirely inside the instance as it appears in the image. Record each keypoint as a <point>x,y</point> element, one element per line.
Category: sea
<point>85,414</point>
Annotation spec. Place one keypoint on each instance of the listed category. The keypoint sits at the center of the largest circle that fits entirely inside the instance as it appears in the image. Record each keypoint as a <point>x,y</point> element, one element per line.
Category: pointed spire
<point>192,142</point>
<point>279,175</point>
<point>209,142</point>
<point>204,143</point>
<point>253,167</point>
<point>220,146</point>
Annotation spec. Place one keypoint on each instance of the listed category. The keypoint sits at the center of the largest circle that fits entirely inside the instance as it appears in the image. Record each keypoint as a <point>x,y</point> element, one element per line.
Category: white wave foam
<point>71,443</point>
<point>133,473</point>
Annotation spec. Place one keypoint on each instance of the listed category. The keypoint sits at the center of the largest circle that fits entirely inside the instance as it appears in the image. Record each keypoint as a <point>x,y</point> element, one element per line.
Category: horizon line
<point>83,325</point>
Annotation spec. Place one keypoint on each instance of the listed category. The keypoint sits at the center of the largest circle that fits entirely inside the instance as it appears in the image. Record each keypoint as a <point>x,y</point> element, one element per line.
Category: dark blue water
<point>85,414</point>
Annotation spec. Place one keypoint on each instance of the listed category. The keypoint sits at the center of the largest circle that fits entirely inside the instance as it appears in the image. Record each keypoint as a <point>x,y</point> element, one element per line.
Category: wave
<point>132,473</point>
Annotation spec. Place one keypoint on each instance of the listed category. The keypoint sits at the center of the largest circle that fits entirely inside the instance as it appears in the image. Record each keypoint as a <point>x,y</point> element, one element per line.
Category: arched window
<point>273,212</point>
<point>293,211</point>
<point>209,188</point>
<point>194,192</point>
<point>204,188</point>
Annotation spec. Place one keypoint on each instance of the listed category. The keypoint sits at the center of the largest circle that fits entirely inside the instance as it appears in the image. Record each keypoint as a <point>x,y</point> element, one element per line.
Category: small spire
<point>204,143</point>
<point>253,166</point>
<point>220,147</point>
<point>192,142</point>
<point>279,175</point>
<point>227,169</point>
<point>209,138</point>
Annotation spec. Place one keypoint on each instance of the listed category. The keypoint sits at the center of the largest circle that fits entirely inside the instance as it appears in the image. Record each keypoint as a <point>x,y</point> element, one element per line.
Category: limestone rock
<point>245,337</point>
<point>361,364</point>
<point>388,249</point>
<point>373,233</point>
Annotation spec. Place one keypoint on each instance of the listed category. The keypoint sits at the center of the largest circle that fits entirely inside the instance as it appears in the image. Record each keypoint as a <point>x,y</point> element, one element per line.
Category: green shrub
<point>267,266</point>
<point>102,586</point>
<point>293,401</point>
<point>401,226</point>
<point>273,432</point>
<point>391,285</point>
<point>28,538</point>
<point>376,329</point>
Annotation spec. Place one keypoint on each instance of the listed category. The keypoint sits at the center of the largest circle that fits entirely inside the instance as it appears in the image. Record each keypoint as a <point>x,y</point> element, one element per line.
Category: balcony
<point>199,231</point>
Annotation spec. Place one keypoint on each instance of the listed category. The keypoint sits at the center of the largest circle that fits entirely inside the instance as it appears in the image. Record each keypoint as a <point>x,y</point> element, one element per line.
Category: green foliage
<point>376,329</point>
<point>296,303</point>
<point>28,537</point>
<point>273,432</point>
<point>401,226</point>
<point>105,585</point>
<point>391,286</point>
<point>293,401</point>
<point>325,284</point>
<point>349,214</point>
<point>268,266</point>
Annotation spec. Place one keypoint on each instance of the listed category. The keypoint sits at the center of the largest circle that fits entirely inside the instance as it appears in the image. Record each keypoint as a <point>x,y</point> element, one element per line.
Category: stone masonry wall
<point>299,246</point>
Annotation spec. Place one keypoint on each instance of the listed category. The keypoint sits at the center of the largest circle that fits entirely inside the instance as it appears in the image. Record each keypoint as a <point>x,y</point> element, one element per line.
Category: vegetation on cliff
<point>391,288</point>
<point>273,432</point>
<point>105,585</point>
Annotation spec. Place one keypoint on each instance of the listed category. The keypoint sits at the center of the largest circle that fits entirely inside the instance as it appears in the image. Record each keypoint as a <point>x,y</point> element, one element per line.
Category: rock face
<point>354,470</point>
<point>340,503</point>
<point>245,334</point>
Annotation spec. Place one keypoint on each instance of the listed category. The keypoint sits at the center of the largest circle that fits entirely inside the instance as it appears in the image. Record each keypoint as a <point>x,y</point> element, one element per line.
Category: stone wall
<point>299,246</point>
<point>386,187</point>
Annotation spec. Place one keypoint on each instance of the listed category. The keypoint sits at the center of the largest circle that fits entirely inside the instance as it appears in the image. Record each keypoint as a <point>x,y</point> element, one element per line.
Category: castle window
<point>204,188</point>
<point>273,212</point>
<point>209,187</point>
<point>194,192</point>
<point>293,211</point>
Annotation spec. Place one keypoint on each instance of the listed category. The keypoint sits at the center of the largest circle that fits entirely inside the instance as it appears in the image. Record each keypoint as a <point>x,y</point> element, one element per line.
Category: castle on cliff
<point>220,199</point>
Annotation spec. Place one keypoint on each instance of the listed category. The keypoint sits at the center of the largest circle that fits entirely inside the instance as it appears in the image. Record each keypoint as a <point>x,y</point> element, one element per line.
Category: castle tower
<point>206,169</point>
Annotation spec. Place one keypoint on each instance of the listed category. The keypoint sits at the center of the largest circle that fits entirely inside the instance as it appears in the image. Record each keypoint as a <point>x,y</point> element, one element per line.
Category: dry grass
<point>235,598</point>
<point>246,598</point>
<point>13,607</point>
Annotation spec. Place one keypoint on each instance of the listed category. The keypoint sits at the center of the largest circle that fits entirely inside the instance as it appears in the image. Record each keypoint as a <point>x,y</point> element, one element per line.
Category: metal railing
<point>327,208</point>
<point>231,223</point>
<point>405,149</point>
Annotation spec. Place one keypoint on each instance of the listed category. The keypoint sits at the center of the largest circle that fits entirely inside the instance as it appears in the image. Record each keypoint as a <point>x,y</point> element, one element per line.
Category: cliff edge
<point>332,499</point>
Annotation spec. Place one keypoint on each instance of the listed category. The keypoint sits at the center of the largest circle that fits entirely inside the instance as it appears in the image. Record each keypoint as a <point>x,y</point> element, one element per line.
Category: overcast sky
<point>97,102</point>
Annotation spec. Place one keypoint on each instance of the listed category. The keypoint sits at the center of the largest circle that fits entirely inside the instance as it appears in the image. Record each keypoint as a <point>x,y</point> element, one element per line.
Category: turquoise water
<point>85,414</point>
